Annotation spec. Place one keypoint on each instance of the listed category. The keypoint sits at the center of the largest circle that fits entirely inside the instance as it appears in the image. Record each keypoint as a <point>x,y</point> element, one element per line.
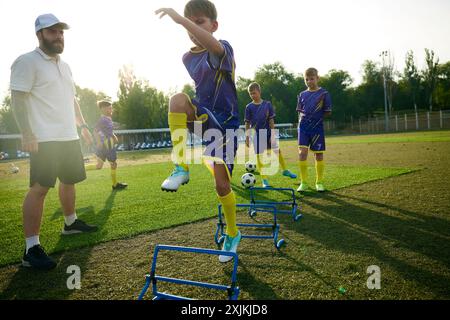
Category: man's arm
<point>85,133</point>
<point>20,111</point>
<point>206,39</point>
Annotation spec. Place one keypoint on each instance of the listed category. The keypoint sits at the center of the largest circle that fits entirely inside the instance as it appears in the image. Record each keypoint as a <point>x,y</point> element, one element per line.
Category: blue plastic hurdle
<point>152,279</point>
<point>292,203</point>
<point>219,236</point>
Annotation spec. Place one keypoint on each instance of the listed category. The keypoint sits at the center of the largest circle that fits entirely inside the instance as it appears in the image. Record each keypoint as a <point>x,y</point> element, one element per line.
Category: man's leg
<point>180,112</point>
<point>33,207</point>
<point>72,225</point>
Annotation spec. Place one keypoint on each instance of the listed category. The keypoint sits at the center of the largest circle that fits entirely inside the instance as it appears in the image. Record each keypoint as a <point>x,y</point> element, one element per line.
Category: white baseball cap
<point>47,20</point>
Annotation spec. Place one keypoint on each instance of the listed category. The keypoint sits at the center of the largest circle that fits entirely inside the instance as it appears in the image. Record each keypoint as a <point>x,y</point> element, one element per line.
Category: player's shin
<point>178,133</point>
<point>229,210</point>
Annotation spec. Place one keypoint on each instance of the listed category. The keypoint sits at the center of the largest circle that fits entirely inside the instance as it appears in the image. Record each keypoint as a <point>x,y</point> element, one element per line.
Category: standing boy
<point>259,115</point>
<point>313,105</point>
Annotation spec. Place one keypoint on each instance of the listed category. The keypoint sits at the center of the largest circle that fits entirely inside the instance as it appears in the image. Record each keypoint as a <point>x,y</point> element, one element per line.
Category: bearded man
<point>47,113</point>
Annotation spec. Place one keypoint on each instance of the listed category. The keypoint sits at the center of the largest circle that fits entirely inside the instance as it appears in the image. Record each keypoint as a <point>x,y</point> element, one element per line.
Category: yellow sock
<point>229,211</point>
<point>114,177</point>
<point>260,166</point>
<point>178,133</point>
<point>281,160</point>
<point>320,168</point>
<point>303,170</point>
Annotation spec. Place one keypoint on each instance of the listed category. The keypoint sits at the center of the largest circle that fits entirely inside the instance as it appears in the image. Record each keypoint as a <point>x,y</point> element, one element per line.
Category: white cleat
<point>178,178</point>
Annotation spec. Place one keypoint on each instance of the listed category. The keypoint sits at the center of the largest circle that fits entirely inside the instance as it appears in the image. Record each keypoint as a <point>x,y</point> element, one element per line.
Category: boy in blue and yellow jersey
<point>259,116</point>
<point>313,105</point>
<point>105,142</point>
<point>214,109</point>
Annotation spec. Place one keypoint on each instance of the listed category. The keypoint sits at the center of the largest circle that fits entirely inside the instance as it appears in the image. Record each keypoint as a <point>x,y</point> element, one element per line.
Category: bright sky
<point>326,34</point>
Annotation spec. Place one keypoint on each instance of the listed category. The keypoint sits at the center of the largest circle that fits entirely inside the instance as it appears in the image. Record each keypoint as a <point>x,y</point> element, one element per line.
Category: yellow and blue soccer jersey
<point>312,106</point>
<point>105,130</point>
<point>214,79</point>
<point>259,115</point>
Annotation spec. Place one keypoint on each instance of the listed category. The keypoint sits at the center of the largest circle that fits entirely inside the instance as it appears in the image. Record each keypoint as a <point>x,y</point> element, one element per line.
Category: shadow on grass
<point>357,226</point>
<point>33,284</point>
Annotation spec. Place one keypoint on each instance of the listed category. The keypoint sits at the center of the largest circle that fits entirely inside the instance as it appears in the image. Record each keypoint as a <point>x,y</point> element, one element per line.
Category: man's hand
<point>171,13</point>
<point>29,143</point>
<point>87,137</point>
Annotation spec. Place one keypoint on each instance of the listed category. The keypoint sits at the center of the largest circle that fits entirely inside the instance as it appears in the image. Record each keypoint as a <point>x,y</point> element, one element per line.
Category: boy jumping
<point>211,65</point>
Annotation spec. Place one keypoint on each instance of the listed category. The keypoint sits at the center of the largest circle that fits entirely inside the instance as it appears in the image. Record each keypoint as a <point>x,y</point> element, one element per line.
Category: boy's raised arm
<point>206,39</point>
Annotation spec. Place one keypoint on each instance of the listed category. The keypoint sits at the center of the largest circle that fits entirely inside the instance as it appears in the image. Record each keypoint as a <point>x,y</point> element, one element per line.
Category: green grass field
<point>387,205</point>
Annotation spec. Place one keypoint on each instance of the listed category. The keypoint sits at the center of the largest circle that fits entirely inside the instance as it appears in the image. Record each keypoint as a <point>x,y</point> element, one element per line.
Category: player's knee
<point>178,103</point>
<point>223,188</point>
<point>319,156</point>
<point>38,190</point>
<point>113,165</point>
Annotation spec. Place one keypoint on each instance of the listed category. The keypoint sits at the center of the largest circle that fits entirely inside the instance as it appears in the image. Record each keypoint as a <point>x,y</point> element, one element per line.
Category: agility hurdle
<point>219,236</point>
<point>292,202</point>
<point>153,279</point>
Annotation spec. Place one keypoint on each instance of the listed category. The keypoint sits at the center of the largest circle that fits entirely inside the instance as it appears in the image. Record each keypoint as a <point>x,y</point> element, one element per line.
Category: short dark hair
<point>254,86</point>
<point>104,103</point>
<point>200,7</point>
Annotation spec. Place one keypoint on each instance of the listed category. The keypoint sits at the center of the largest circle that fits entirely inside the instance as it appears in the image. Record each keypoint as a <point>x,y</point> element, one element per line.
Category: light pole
<point>383,55</point>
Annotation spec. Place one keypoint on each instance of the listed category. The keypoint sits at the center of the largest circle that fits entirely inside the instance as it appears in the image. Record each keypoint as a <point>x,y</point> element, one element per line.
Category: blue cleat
<point>178,178</point>
<point>289,174</point>
<point>265,183</point>
<point>230,245</point>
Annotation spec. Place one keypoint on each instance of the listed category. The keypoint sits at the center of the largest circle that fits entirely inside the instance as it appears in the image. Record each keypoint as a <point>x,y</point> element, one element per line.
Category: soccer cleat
<point>120,186</point>
<point>37,258</point>
<point>178,178</point>
<point>320,187</point>
<point>303,187</point>
<point>230,245</point>
<point>78,227</point>
<point>289,174</point>
<point>265,183</point>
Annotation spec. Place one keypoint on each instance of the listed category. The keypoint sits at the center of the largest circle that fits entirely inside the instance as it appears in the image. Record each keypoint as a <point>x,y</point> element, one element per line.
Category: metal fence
<point>402,122</point>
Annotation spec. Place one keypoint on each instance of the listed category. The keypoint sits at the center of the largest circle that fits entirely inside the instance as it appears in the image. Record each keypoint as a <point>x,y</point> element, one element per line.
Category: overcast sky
<point>326,34</point>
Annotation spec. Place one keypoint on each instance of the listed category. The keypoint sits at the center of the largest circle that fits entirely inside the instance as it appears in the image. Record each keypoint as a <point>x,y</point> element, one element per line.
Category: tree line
<point>141,106</point>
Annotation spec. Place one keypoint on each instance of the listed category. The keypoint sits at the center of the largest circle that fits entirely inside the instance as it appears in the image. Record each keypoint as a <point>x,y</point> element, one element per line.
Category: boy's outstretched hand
<point>171,13</point>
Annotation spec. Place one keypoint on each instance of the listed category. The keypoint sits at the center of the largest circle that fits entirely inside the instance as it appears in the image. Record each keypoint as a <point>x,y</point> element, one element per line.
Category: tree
<point>8,123</point>
<point>336,82</point>
<point>430,75</point>
<point>140,106</point>
<point>87,99</point>
<point>369,94</point>
<point>443,86</point>
<point>411,76</point>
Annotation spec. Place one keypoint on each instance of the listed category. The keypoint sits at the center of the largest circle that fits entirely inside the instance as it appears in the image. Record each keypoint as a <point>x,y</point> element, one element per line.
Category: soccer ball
<point>250,167</point>
<point>14,169</point>
<point>248,180</point>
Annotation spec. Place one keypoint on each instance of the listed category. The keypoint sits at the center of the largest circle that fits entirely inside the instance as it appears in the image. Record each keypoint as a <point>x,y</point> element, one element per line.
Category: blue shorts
<point>107,151</point>
<point>221,141</point>
<point>311,136</point>
<point>262,141</point>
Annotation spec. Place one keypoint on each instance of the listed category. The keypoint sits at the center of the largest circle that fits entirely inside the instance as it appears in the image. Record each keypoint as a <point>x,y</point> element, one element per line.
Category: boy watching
<point>259,115</point>
<point>313,105</point>
<point>211,65</point>
<point>105,142</point>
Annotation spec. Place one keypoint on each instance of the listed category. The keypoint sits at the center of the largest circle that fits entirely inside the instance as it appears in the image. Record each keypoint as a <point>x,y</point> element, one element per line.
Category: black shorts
<point>57,159</point>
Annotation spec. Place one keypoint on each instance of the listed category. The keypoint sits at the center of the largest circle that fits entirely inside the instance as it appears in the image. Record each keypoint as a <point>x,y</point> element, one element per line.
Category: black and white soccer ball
<point>14,168</point>
<point>248,180</point>
<point>250,167</point>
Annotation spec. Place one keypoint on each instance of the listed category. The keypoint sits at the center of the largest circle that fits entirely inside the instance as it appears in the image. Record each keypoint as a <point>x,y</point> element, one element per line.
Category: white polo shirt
<point>51,95</point>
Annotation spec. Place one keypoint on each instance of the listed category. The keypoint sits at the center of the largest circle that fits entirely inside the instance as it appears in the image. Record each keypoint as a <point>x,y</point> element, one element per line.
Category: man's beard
<point>51,48</point>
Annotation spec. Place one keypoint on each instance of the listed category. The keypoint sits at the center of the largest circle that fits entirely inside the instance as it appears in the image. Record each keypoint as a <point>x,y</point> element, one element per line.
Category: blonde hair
<point>254,86</point>
<point>311,72</point>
